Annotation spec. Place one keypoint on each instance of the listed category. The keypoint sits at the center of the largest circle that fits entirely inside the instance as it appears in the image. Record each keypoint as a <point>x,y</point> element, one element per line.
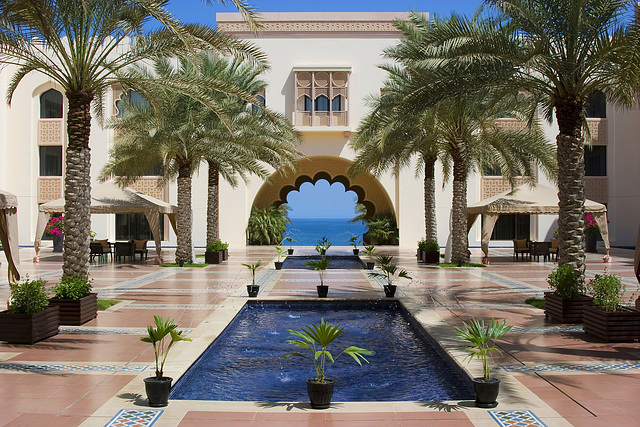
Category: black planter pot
<point>253,290</point>
<point>323,251</point>
<point>225,254</point>
<point>390,290</point>
<point>20,328</point>
<point>565,310</point>
<point>370,265</point>
<point>290,251</point>
<point>76,311</point>
<point>158,390</point>
<point>320,394</point>
<point>57,243</point>
<point>213,257</point>
<point>278,265</point>
<point>323,290</point>
<point>591,242</point>
<point>486,392</point>
<point>356,251</point>
<point>431,257</point>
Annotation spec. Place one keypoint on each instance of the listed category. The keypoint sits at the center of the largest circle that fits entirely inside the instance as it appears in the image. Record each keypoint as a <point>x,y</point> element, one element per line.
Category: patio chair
<point>540,249</point>
<point>553,250</point>
<point>101,248</point>
<point>521,246</point>
<point>141,248</point>
<point>125,249</point>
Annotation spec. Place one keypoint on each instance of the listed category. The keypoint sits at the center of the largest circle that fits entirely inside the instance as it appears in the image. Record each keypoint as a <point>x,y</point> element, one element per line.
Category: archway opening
<point>323,209</point>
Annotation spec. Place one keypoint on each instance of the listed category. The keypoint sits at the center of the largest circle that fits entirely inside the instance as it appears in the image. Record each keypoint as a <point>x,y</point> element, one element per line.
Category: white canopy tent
<point>108,198</point>
<point>9,233</point>
<point>524,199</point>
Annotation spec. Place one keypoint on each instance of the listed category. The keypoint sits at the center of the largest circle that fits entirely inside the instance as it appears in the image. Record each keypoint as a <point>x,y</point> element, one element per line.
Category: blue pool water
<point>342,262</point>
<point>307,231</point>
<point>245,362</point>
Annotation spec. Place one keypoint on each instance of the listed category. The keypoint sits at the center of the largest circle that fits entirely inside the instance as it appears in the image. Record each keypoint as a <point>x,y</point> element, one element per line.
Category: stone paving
<point>91,375</point>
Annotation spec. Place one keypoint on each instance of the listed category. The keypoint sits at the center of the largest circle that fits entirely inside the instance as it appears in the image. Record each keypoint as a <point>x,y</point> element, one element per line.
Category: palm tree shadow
<point>135,398</point>
<point>304,406</point>
<point>448,407</point>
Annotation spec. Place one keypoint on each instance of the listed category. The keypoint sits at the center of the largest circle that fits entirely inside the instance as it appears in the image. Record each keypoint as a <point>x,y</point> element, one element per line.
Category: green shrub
<point>431,246</point>
<point>382,228</point>
<point>422,244</point>
<point>267,226</point>
<point>72,287</point>
<point>536,302</point>
<point>29,296</point>
<point>565,282</point>
<point>216,246</point>
<point>607,291</point>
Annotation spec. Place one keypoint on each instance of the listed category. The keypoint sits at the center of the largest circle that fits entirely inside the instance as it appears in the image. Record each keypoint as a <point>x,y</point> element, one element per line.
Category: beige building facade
<point>323,66</point>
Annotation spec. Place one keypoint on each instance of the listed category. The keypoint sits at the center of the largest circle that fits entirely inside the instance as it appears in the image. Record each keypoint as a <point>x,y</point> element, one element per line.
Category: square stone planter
<point>76,311</point>
<point>565,310</point>
<point>213,257</point>
<point>620,326</point>
<point>19,328</point>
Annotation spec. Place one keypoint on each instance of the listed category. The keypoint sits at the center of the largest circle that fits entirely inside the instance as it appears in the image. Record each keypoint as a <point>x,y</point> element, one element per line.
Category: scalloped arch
<point>371,193</point>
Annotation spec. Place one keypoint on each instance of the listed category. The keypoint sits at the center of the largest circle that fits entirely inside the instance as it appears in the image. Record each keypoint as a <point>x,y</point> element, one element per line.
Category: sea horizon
<point>307,231</point>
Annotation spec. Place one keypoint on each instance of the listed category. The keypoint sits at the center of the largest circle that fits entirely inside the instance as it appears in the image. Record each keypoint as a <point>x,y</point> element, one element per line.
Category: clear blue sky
<point>321,200</point>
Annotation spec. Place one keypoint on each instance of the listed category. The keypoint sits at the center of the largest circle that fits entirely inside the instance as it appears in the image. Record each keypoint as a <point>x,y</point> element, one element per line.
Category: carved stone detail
<point>511,124</point>
<point>51,132</point>
<point>313,27</point>
<point>151,186</point>
<point>49,188</point>
<point>596,188</point>
<point>492,185</point>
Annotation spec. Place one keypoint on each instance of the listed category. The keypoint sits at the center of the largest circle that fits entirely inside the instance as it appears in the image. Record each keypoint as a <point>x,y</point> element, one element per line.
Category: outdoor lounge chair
<point>141,248</point>
<point>521,246</point>
<point>540,249</point>
<point>125,249</point>
<point>100,248</point>
<point>553,250</point>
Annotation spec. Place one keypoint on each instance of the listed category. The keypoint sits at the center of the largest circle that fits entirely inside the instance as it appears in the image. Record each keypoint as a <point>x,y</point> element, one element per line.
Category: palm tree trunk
<point>184,220</point>
<point>77,188</point>
<point>571,198</point>
<point>459,239</point>
<point>430,223</point>
<point>213,203</point>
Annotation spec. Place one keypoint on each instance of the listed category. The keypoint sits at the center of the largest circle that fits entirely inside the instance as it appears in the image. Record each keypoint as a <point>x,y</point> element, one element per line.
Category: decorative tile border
<point>135,418</point>
<point>547,329</point>
<point>61,367</point>
<point>485,306</point>
<point>106,331</point>
<point>516,418</point>
<point>575,367</point>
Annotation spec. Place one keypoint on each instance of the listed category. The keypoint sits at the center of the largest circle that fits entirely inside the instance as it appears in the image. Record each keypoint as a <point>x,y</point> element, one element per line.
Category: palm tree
<point>75,44</point>
<point>463,130</point>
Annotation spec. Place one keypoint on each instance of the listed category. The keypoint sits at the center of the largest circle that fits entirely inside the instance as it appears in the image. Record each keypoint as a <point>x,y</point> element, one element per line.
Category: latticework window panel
<point>49,188</point>
<point>321,98</point>
<point>50,131</point>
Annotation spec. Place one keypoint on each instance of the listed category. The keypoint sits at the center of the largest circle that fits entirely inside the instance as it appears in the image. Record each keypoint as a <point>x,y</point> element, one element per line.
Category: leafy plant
<point>481,337</point>
<point>388,271</point>
<point>382,228</point>
<point>355,241</point>
<point>162,337</point>
<point>289,239</point>
<point>316,339</point>
<point>253,267</point>
<point>320,266</point>
<point>72,287</point>
<point>267,226</point>
<point>216,246</point>
<point>536,302</point>
<point>92,234</point>
<point>431,246</point>
<point>607,291</point>
<point>28,297</point>
<point>565,282</point>
<point>323,244</point>
<point>369,251</point>
<point>281,252</point>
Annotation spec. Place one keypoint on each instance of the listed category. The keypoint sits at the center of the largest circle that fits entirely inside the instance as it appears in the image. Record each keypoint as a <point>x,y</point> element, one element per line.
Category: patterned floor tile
<point>135,418</point>
<point>575,367</point>
<point>516,418</point>
<point>59,367</point>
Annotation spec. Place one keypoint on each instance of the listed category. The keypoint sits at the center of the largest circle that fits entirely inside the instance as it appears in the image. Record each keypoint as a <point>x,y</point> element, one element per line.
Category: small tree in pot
<point>567,300</point>
<point>289,239</point>
<point>370,251</point>
<point>162,337</point>
<point>353,241</point>
<point>214,253</point>
<point>481,337</point>
<point>323,245</point>
<point>316,339</point>
<point>388,272</point>
<point>281,253</point>
<point>253,289</point>
<point>77,304</point>
<point>320,266</point>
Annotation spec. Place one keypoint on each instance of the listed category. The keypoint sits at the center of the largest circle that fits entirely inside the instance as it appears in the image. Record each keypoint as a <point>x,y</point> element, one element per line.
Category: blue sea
<point>307,231</point>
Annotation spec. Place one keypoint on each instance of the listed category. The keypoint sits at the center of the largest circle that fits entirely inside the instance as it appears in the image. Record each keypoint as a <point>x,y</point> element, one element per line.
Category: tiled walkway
<point>91,375</point>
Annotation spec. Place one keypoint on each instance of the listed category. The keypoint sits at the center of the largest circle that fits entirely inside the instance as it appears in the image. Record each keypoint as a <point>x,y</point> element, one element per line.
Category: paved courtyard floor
<point>552,374</point>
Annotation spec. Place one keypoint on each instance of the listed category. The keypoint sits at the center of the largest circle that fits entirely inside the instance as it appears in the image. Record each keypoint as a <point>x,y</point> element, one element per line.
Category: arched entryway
<point>371,193</point>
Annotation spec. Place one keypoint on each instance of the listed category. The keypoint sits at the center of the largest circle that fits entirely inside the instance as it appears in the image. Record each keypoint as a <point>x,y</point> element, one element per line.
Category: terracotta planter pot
<point>18,328</point>
<point>486,392</point>
<point>619,326</point>
<point>213,257</point>
<point>320,394</point>
<point>158,390</point>
<point>76,311</point>
<point>565,310</point>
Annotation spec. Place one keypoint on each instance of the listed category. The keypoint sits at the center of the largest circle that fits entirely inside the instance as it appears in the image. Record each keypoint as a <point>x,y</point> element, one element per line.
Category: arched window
<point>134,98</point>
<point>307,103</point>
<point>263,102</point>
<point>51,105</point>
<point>322,103</point>
<point>337,104</point>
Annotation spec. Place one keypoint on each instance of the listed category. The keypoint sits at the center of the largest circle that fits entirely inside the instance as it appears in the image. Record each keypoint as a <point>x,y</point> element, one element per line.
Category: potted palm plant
<point>481,339</point>
<point>29,318</point>
<point>253,289</point>
<point>281,253</point>
<point>162,337</point>
<point>369,251</point>
<point>77,303</point>
<point>609,319</point>
<point>567,300</point>
<point>289,239</point>
<point>320,266</point>
<point>355,241</point>
<point>388,272</point>
<point>323,245</point>
<point>316,339</point>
